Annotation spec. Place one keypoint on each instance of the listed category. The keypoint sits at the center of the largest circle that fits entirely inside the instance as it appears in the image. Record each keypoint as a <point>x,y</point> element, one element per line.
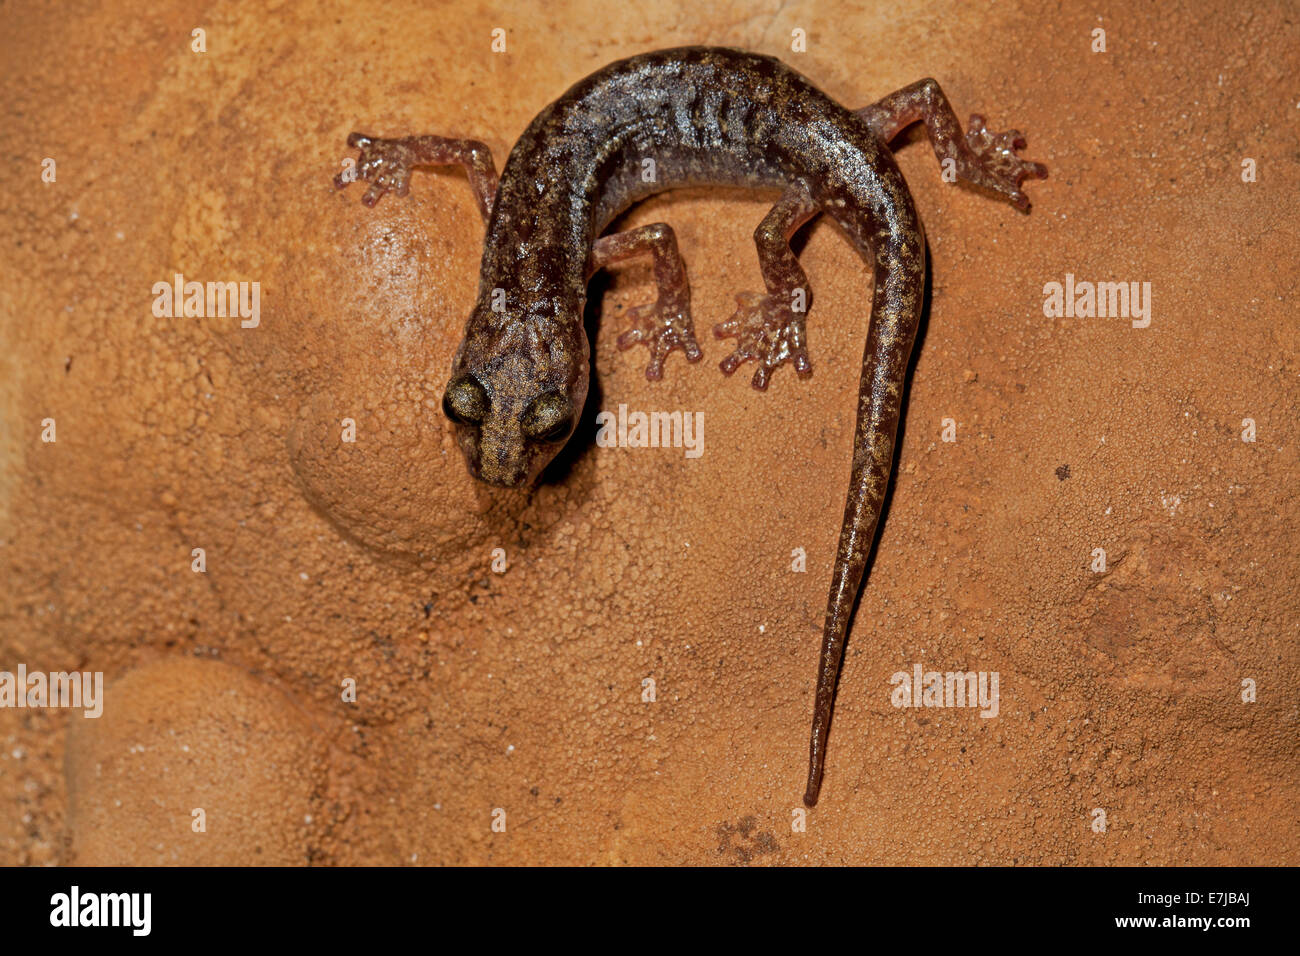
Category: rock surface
<point>326,561</point>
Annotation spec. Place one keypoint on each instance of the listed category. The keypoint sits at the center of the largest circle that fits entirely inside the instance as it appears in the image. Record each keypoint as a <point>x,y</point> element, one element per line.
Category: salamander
<point>688,117</point>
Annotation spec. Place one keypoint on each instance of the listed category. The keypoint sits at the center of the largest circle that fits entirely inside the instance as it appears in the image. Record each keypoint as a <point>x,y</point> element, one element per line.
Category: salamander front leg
<point>387,163</point>
<point>979,156</point>
<point>769,329</point>
<point>665,324</point>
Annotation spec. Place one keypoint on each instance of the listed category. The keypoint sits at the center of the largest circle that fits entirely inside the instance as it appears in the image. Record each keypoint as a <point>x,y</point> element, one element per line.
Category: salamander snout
<point>508,435</point>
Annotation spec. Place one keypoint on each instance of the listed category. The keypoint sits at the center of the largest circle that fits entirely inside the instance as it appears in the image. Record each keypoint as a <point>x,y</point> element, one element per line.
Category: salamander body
<point>689,117</point>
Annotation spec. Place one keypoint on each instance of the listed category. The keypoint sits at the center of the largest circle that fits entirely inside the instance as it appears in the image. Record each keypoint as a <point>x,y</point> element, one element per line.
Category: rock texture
<point>477,691</point>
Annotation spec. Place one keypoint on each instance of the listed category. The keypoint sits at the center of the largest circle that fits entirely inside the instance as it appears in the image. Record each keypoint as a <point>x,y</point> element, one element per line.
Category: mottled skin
<point>704,116</point>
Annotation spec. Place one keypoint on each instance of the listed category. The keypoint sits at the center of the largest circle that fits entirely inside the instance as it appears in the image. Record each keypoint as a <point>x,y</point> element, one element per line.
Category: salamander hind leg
<point>769,328</point>
<point>387,163</point>
<point>664,325</point>
<point>978,156</point>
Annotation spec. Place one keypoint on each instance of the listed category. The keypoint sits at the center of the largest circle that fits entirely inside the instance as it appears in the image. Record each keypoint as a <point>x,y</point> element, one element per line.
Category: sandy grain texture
<point>522,691</point>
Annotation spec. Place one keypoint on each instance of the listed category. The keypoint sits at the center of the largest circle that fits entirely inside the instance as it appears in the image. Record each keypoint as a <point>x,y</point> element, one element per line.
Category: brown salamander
<point>705,116</point>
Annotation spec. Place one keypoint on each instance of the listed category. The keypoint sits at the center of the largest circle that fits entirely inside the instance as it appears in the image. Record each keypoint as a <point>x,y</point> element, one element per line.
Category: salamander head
<point>515,395</point>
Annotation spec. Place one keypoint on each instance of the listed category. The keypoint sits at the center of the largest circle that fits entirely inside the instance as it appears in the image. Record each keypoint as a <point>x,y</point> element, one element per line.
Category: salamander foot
<point>767,331</point>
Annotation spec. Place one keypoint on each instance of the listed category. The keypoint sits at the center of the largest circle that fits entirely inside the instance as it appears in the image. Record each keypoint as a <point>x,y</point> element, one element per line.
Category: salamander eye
<point>549,418</point>
<point>466,401</point>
